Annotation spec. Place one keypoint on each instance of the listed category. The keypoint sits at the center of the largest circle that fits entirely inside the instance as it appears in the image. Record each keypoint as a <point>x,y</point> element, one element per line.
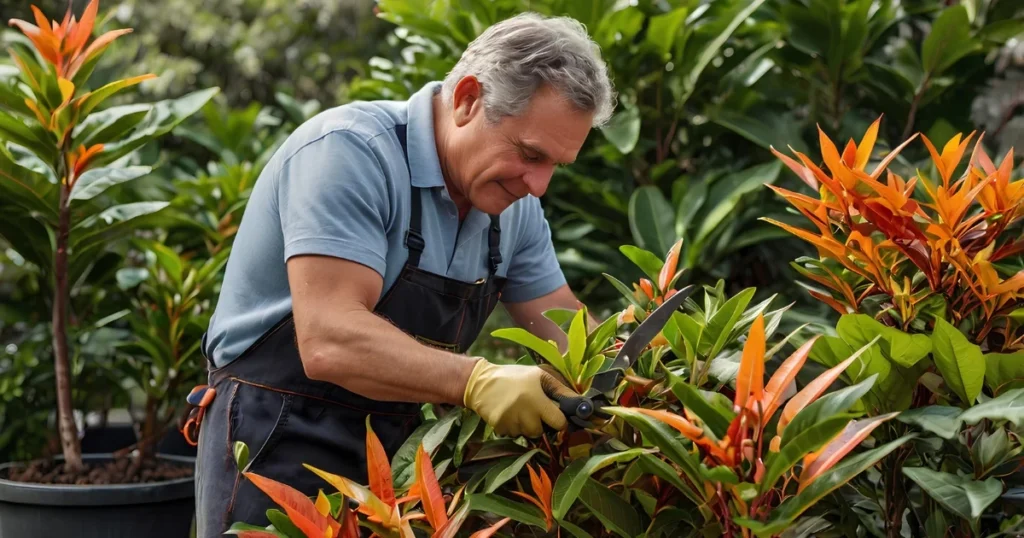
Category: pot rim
<point>99,494</point>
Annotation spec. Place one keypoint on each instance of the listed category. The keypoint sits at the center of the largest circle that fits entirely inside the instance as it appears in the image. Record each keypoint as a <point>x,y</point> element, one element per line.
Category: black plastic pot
<point>154,510</point>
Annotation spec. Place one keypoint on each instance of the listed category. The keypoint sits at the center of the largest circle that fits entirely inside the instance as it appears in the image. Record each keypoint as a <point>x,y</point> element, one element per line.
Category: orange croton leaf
<point>668,270</point>
<point>490,531</point>
<point>784,377</point>
<point>81,158</point>
<point>349,524</point>
<point>825,458</point>
<point>301,511</point>
<point>648,287</point>
<point>430,490</point>
<point>62,44</point>
<point>951,154</point>
<point>814,389</point>
<point>750,379</point>
<point>541,498</point>
<point>378,467</point>
<point>261,534</point>
<point>369,504</point>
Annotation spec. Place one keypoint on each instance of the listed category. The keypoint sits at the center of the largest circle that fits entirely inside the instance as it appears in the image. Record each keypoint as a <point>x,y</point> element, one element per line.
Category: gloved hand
<point>514,399</point>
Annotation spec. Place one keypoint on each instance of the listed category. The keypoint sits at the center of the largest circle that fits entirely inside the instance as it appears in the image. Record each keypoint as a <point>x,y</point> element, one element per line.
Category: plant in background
<point>59,154</point>
<point>167,319</point>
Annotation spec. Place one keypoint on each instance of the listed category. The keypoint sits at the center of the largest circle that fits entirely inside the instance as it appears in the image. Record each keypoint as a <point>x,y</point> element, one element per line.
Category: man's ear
<point>466,100</point>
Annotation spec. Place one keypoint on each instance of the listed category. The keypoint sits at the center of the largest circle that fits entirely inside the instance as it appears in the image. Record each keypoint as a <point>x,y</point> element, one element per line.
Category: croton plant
<point>932,268</point>
<point>700,441</point>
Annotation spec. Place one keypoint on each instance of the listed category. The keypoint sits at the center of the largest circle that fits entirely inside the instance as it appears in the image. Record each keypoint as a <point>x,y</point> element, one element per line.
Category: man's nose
<point>537,179</point>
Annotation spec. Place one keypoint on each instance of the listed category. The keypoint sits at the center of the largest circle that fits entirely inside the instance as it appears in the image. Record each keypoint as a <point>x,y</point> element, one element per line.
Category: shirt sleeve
<point>333,201</point>
<point>534,270</point>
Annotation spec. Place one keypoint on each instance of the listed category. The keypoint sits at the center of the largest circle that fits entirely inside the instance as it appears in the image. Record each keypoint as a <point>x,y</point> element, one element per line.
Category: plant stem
<point>65,410</point>
<point>909,128</point>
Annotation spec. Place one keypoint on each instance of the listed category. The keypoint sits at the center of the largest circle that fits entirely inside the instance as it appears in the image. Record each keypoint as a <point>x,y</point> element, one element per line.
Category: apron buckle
<point>198,400</point>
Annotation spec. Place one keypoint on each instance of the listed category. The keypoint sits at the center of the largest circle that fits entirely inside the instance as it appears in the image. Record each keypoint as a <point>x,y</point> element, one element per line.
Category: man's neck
<point>441,142</point>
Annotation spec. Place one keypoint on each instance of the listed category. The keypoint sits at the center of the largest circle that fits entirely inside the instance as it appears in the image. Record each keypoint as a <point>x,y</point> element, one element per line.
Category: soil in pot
<point>122,470</point>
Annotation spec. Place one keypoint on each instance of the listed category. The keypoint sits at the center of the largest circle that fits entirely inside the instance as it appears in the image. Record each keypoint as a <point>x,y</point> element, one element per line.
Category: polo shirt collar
<point>424,164</point>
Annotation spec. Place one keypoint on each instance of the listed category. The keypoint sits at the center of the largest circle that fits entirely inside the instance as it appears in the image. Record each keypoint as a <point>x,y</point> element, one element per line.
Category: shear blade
<point>635,344</point>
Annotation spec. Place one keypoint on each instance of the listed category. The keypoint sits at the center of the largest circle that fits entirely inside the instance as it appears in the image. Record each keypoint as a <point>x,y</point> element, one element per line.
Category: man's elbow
<point>323,357</point>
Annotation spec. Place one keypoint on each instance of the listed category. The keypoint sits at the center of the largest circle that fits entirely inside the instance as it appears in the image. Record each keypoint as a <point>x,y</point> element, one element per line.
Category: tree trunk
<point>65,410</point>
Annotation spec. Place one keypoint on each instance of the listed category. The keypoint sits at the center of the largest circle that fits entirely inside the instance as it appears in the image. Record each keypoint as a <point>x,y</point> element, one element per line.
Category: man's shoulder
<point>358,123</point>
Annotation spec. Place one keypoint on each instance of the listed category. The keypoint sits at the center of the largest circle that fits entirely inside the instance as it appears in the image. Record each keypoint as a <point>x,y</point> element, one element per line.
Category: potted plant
<point>63,163</point>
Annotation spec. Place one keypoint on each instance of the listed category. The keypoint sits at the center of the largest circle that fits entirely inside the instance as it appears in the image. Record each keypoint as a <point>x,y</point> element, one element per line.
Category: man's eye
<point>532,158</point>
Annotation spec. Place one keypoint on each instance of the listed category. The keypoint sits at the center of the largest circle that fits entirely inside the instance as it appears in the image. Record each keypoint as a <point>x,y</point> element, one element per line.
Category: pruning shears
<point>580,409</point>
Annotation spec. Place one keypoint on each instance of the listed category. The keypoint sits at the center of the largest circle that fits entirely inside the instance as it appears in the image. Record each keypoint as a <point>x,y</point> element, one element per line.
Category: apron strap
<point>494,243</point>
<point>413,238</point>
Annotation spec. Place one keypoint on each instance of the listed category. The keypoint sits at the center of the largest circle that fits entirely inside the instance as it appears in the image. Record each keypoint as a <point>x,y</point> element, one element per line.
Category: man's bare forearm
<point>369,356</point>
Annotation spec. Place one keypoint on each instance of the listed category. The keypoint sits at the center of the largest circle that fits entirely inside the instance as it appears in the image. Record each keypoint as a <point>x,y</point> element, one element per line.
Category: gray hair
<point>514,57</point>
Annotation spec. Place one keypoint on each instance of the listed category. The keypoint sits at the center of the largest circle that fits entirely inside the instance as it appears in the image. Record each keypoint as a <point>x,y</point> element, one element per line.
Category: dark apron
<point>264,398</point>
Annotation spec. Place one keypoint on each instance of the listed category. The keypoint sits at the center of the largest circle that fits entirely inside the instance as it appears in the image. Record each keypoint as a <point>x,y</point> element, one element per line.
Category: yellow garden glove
<point>514,399</point>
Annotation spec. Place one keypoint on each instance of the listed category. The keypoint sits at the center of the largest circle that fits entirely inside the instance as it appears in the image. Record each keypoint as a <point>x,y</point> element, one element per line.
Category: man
<point>374,246</point>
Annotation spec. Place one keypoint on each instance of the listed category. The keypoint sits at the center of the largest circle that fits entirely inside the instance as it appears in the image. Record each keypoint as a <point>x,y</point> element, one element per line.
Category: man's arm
<point>530,314</point>
<point>342,341</point>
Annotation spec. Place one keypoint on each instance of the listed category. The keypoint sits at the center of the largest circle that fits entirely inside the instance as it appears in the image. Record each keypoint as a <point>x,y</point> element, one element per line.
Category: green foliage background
<point>706,89</point>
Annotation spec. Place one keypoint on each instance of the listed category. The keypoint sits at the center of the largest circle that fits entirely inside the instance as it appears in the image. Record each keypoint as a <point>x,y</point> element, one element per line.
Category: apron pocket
<point>257,419</point>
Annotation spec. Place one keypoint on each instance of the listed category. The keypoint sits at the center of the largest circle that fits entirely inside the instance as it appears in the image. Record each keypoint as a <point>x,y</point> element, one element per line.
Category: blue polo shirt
<point>339,186</point>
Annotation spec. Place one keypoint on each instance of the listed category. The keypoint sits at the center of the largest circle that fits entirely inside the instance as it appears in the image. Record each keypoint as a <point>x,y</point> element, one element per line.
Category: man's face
<point>493,165</point>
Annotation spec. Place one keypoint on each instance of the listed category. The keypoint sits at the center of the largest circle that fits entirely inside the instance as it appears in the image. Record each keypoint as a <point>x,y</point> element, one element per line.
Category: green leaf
<point>663,29</point>
<point>109,124</point>
<point>668,442</point>
<point>574,530</point>
<point>94,98</point>
<point>783,516</point>
<point>623,129</point>
<point>725,24</point>
<point>238,528</point>
<point>689,206</point>
<point>964,497</point>
<point>906,350</point>
<point>719,329</point>
<point>97,180</point>
<point>691,398</point>
<point>241,453</point>
<point>1008,406</point>
<point>505,470</point>
<point>470,423</point>
<point>797,446</point>
<point>598,338</point>
<point>111,223</point>
<point>570,481</point>
<point>961,362</point>
<point>545,349</point>
<point>948,41</point>
<point>942,420</point>
<point>738,185</point>
<point>31,136</point>
<point>825,407</point>
<point>669,523</point>
<point>651,220</point>
<point>644,259</point>
<point>23,187</point>
<point>282,523</point>
<point>1004,371</point>
<point>161,118</point>
<point>614,513</point>
<point>577,343</point>
<point>623,289</point>
<point>503,507</point>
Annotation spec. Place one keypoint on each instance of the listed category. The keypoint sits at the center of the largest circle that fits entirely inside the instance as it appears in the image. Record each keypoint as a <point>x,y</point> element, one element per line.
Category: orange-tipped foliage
<point>490,531</point>
<point>63,45</point>
<point>750,380</point>
<point>541,498</point>
<point>909,239</point>
<point>429,490</point>
<point>300,510</point>
<point>378,467</point>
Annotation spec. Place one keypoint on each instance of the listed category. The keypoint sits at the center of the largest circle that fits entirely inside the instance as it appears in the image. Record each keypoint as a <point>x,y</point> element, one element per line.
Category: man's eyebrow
<point>530,147</point>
